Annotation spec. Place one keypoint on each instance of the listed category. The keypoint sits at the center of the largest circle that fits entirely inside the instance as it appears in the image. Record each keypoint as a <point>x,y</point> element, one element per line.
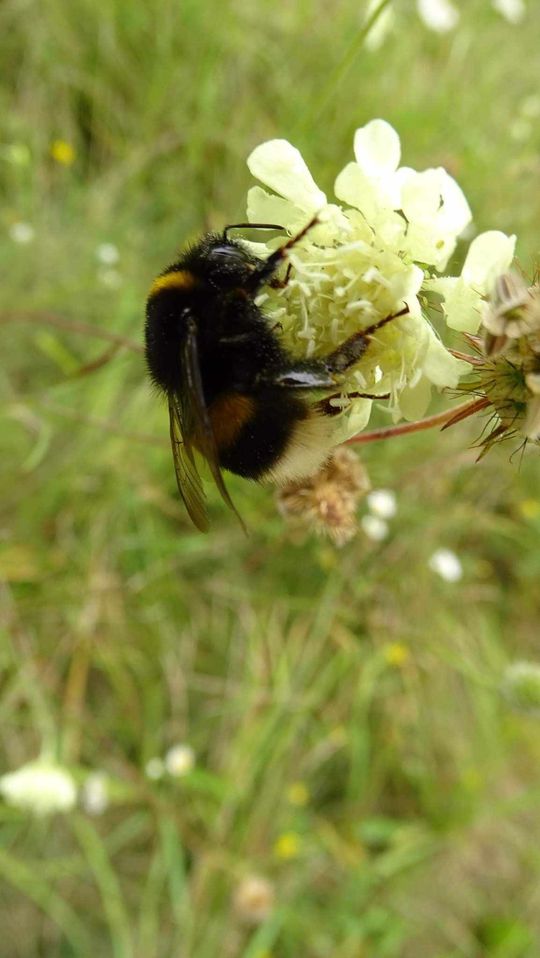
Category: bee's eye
<point>232,253</point>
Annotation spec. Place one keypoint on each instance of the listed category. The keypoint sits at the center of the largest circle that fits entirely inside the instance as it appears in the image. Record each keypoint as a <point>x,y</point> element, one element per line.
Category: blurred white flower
<point>382,503</point>
<point>110,277</point>
<point>107,253</point>
<point>441,16</point>
<point>446,564</point>
<point>179,760</point>
<point>41,787</point>
<point>374,528</point>
<point>254,899</point>
<point>22,233</point>
<point>381,28</point>
<point>521,686</point>
<point>154,768</point>
<point>95,794</point>
<point>512,10</point>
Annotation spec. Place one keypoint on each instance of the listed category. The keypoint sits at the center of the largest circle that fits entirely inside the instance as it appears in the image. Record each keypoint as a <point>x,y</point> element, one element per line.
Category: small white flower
<point>94,794</point>
<point>22,233</point>
<point>446,564</point>
<point>107,253</point>
<point>382,503</point>
<point>110,277</point>
<point>374,528</point>
<point>179,760</point>
<point>512,10</point>
<point>154,768</point>
<point>41,787</point>
<point>438,15</point>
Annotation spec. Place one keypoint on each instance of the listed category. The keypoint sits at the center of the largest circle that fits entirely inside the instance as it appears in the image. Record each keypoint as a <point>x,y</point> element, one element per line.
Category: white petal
<point>440,367</point>
<point>279,165</point>
<point>490,254</point>
<point>353,187</point>
<point>414,400</point>
<point>462,304</point>
<point>455,211</point>
<point>377,148</point>
<point>263,207</point>
<point>438,15</point>
<point>420,194</point>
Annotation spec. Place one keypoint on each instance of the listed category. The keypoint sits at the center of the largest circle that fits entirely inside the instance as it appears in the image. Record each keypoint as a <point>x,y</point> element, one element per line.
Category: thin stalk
<point>458,413</point>
<point>85,329</point>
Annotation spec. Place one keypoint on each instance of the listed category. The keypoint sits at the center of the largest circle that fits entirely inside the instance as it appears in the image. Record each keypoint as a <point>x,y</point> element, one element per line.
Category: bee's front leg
<point>355,346</point>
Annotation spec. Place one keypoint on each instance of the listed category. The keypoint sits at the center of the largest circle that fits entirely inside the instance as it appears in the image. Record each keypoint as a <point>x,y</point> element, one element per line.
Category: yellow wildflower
<point>287,846</point>
<point>298,794</point>
<point>396,654</point>
<point>63,152</point>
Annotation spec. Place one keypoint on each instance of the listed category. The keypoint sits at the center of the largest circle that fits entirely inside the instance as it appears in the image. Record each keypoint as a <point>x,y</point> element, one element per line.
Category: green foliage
<point>358,673</point>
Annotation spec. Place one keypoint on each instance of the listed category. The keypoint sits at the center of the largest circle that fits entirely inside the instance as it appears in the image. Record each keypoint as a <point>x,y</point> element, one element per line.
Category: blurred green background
<point>352,745</point>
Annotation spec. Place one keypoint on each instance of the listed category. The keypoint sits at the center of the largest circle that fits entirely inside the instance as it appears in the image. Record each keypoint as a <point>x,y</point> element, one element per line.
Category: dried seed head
<point>327,501</point>
<point>254,899</point>
<point>512,311</point>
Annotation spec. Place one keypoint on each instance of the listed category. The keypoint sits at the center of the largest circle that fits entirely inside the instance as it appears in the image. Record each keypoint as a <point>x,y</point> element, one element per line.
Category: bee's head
<point>226,264</point>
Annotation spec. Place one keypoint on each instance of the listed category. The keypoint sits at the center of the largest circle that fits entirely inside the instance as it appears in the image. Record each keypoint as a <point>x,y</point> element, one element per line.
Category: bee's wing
<point>190,425</point>
<point>187,477</point>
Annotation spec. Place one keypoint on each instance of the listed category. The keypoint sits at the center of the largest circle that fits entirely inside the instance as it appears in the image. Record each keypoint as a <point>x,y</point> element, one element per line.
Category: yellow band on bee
<point>177,279</point>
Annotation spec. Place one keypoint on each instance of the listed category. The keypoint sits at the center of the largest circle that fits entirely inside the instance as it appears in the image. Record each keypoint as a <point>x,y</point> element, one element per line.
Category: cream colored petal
<point>420,194</point>
<point>377,148</point>
<point>353,187</point>
<point>490,254</point>
<point>279,165</point>
<point>414,400</point>
<point>263,207</point>
<point>440,367</point>
<point>462,305</point>
<point>455,211</point>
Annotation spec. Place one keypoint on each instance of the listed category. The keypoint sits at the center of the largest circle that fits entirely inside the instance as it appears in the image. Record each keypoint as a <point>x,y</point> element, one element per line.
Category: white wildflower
<point>382,503</point>
<point>110,278</point>
<point>447,565</point>
<point>95,794</point>
<point>441,16</point>
<point>179,760</point>
<point>512,10</point>
<point>154,768</point>
<point>41,787</point>
<point>382,26</point>
<point>374,528</point>
<point>22,233</point>
<point>108,254</point>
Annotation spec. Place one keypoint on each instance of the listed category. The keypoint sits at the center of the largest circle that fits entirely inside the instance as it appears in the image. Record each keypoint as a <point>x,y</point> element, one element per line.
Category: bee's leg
<point>276,283</point>
<point>325,405</point>
<point>355,346</point>
<point>270,265</point>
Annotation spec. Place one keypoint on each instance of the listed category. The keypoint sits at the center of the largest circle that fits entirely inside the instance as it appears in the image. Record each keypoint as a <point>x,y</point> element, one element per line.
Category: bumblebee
<point>235,394</point>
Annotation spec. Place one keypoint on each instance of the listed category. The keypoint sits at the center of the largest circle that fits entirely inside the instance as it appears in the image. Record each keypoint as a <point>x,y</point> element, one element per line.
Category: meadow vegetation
<point>352,745</point>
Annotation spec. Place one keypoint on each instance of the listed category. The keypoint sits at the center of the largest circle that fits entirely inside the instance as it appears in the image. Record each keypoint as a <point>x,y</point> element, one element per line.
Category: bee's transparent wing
<point>187,477</point>
<point>190,426</point>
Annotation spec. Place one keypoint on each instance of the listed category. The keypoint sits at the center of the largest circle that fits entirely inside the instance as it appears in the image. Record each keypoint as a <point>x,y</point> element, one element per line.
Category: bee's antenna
<point>251,226</point>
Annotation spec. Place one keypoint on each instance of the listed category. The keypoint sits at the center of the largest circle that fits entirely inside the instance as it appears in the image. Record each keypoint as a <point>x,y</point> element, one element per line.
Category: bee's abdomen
<point>253,432</point>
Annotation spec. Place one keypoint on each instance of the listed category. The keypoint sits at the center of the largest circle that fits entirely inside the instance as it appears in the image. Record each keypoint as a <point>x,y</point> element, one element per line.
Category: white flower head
<point>374,528</point>
<point>366,259</point>
<point>382,503</point>
<point>447,565</point>
<point>154,768</point>
<point>441,16</point>
<point>95,794</point>
<point>107,253</point>
<point>512,10</point>
<point>22,233</point>
<point>180,760</point>
<point>254,899</point>
<point>41,787</point>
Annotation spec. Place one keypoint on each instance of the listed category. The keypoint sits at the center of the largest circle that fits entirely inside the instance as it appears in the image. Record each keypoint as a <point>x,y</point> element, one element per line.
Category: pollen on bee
<point>176,279</point>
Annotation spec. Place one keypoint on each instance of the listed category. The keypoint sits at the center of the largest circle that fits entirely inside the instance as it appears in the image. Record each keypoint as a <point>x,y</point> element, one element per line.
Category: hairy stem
<point>458,413</point>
